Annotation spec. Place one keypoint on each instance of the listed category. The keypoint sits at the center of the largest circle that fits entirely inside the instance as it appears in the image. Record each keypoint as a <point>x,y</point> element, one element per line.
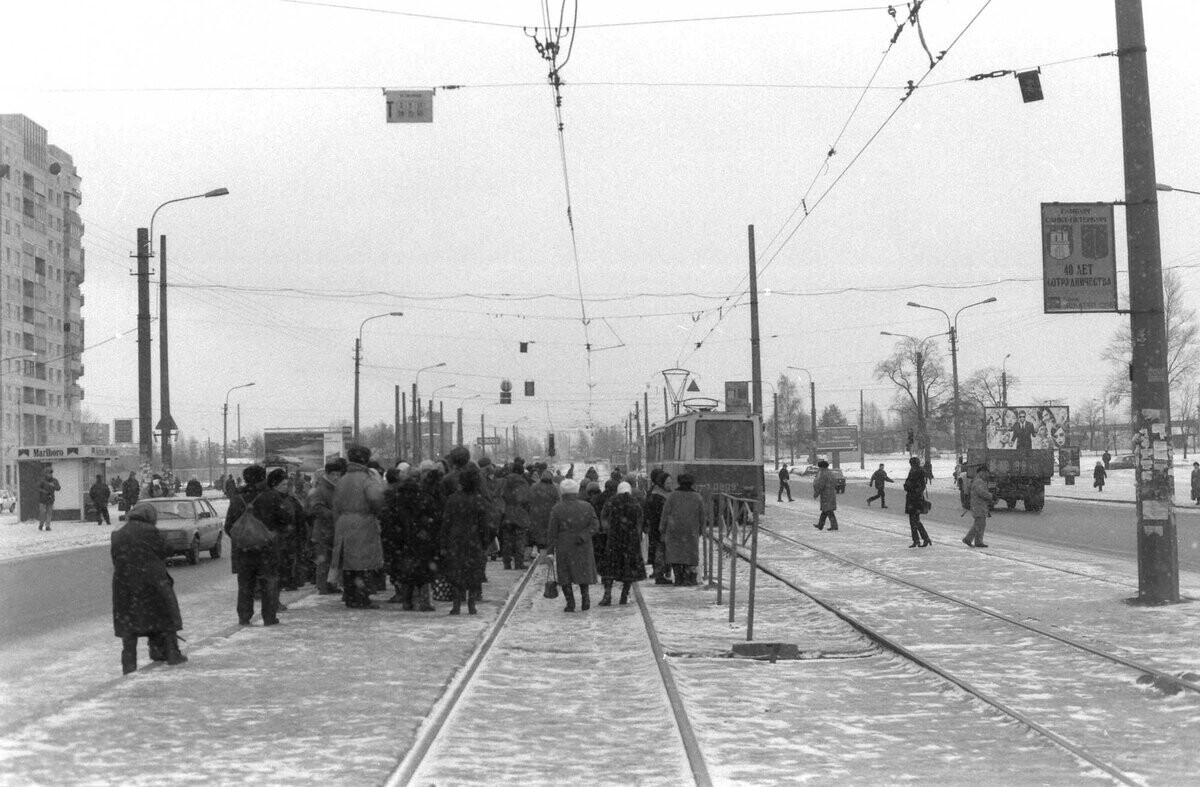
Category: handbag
<point>926,505</point>
<point>249,532</point>
<point>443,590</point>
<point>550,589</point>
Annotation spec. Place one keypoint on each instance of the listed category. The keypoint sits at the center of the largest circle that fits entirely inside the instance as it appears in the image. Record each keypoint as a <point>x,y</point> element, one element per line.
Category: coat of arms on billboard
<point>1093,242</point>
<point>1058,241</point>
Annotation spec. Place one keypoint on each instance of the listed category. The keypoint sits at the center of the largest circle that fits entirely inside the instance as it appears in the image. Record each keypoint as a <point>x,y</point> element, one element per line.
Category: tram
<point>722,451</point>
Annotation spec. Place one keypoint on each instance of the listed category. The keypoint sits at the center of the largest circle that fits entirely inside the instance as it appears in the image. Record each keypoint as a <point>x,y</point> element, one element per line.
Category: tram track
<point>1044,720</point>
<point>521,666</point>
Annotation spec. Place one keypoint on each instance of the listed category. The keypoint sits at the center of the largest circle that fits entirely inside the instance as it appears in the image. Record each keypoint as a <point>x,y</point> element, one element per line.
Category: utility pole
<point>755,360</point>
<point>461,439</point>
<point>958,450</point>
<point>239,429</point>
<point>862,449</point>
<point>416,458</point>
<point>166,424</point>
<point>145,432</point>
<point>396,424</point>
<point>403,425</point>
<point>775,421</point>
<point>922,446</point>
<point>812,400</point>
<point>1158,557</point>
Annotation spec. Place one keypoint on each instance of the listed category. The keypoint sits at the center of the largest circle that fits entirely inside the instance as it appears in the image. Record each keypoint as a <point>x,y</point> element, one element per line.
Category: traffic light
<point>505,392</point>
<point>529,387</point>
<point>550,444</point>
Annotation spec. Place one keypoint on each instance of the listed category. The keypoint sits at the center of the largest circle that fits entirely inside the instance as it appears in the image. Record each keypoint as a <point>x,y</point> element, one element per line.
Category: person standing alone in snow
<point>878,479</point>
<point>784,486</point>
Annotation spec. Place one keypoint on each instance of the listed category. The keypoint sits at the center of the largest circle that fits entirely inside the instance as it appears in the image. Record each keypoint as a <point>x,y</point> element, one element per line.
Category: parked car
<point>839,479</point>
<point>1123,462</point>
<point>190,525</point>
<point>8,501</point>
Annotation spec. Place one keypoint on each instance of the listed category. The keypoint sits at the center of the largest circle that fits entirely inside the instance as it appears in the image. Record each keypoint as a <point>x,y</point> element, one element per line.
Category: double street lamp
<point>812,398</point>
<point>358,360</point>
<point>919,363</point>
<point>952,329</point>
<point>417,415</point>
<point>225,428</point>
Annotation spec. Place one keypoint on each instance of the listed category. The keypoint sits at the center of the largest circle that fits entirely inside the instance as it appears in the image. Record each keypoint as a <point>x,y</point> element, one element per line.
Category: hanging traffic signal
<point>505,392</point>
<point>1031,85</point>
<point>550,444</point>
<point>529,387</point>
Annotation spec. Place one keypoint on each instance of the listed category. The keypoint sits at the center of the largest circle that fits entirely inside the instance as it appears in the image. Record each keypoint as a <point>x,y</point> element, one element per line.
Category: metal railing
<point>733,524</point>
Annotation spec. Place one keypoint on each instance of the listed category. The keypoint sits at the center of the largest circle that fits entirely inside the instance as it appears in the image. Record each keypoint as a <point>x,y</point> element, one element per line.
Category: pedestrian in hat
<point>914,503</point>
<point>683,519</point>
<point>143,593</point>
<point>981,501</point>
<point>573,522</point>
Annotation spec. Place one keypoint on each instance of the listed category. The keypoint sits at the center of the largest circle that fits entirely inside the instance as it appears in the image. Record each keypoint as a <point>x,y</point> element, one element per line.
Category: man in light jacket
<point>981,500</point>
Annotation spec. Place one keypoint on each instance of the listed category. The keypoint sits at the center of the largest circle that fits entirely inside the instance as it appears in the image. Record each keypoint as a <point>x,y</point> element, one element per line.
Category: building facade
<point>42,261</point>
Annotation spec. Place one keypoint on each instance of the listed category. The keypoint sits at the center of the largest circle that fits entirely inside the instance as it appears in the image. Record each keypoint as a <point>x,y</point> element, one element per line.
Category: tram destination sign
<point>1079,261</point>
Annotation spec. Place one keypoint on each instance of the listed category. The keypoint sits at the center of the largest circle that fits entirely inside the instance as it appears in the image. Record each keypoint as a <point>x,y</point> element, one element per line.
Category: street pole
<point>166,424</point>
<point>812,399</point>
<point>1158,558</point>
<point>225,438</point>
<point>775,420</point>
<point>862,450</point>
<point>145,431</point>
<point>396,424</point>
<point>954,376</point>
<point>755,350</point>
<point>921,439</point>
<point>416,427</point>
<point>357,367</point>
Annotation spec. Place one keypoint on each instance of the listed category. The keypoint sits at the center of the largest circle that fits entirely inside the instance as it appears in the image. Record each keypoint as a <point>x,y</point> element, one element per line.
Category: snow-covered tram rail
<point>1039,685</point>
<point>548,696</point>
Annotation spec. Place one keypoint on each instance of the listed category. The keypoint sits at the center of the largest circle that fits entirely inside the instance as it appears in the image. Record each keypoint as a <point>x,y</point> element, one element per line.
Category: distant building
<point>42,261</point>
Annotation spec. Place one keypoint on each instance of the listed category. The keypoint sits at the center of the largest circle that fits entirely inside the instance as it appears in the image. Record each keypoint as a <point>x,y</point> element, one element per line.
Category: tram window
<point>725,440</point>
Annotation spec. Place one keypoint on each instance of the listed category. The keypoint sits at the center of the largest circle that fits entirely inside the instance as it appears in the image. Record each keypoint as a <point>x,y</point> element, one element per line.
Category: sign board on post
<point>493,440</point>
<point>737,396</point>
<point>409,106</point>
<point>837,438</point>
<point>1079,262</point>
<point>123,430</point>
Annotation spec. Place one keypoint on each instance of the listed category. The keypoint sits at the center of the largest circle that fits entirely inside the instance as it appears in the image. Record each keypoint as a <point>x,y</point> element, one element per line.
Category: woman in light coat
<point>573,522</point>
<point>683,518</point>
<point>357,548</point>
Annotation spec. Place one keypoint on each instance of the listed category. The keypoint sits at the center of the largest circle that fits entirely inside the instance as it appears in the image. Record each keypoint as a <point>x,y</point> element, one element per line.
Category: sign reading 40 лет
<point>1079,263</point>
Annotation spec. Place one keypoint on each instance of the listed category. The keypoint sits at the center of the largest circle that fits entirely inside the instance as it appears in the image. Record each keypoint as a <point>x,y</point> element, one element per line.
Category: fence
<point>734,522</point>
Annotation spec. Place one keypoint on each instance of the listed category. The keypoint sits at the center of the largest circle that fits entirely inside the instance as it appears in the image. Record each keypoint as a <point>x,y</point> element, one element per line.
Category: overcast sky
<point>677,136</point>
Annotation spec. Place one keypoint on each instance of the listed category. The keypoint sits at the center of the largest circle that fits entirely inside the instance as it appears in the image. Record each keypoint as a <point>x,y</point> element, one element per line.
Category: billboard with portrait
<point>1030,426</point>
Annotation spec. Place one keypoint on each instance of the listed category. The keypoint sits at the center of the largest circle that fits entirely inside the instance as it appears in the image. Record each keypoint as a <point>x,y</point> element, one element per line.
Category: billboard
<point>306,450</point>
<point>1032,426</point>
<point>837,438</point>
<point>1079,261</point>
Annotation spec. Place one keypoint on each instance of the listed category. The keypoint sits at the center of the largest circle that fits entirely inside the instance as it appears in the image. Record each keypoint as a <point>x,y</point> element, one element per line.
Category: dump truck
<point>1019,449</point>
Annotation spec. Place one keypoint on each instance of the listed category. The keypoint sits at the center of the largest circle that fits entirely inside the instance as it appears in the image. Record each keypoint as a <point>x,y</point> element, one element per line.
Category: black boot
<point>171,645</point>
<point>606,601</point>
<point>569,595</point>
<point>410,592</point>
<point>471,605</point>
<point>625,592</point>
<point>423,593</point>
<point>456,608</point>
<point>585,603</point>
<point>158,647</point>
<point>128,654</point>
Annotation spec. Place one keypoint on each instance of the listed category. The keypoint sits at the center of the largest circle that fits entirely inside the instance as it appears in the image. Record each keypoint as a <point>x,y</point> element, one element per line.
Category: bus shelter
<point>75,467</point>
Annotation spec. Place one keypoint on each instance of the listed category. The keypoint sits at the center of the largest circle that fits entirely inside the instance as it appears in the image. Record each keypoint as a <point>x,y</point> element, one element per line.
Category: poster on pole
<point>1079,261</point>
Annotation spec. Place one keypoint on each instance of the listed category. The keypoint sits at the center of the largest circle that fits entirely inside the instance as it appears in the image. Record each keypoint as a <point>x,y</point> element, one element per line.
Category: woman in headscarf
<point>659,489</point>
<point>466,535</point>
<point>683,519</point>
<point>143,593</point>
<point>573,522</point>
<point>623,560</point>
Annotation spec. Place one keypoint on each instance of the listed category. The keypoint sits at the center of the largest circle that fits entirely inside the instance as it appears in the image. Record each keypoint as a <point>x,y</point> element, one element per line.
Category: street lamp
<point>225,428</point>
<point>952,326</point>
<point>812,398</point>
<point>1004,381</point>
<point>920,398</point>
<point>417,407</point>
<point>358,361</point>
<point>1165,187</point>
<point>166,424</point>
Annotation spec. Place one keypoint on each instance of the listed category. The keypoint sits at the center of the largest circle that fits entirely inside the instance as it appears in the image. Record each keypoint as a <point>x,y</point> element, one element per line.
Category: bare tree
<point>793,419</point>
<point>902,367</point>
<point>1183,345</point>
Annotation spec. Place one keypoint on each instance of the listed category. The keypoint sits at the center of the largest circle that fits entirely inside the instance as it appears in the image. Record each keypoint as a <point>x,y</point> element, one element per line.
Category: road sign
<point>409,106</point>
<point>123,430</point>
<point>1079,262</point>
<point>487,440</point>
<point>837,438</point>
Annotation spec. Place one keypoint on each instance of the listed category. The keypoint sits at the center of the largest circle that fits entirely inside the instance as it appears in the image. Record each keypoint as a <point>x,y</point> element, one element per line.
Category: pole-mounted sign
<point>409,106</point>
<point>1079,264</point>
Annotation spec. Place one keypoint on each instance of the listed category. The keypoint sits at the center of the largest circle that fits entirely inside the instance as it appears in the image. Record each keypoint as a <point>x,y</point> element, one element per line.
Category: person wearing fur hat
<point>143,593</point>
<point>258,569</point>
<point>514,525</point>
<point>624,521</point>
<point>683,519</point>
<point>573,522</point>
<point>659,489</point>
<point>465,535</point>
<point>357,548</point>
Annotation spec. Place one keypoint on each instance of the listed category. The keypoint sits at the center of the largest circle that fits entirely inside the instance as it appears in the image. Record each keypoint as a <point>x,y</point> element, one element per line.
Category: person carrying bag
<point>550,587</point>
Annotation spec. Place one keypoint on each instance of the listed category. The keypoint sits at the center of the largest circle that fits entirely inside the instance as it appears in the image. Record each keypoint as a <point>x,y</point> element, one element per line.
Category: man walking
<point>878,479</point>
<point>981,500</point>
<point>825,490</point>
<point>131,490</point>
<point>784,486</point>
<point>99,494</point>
<point>46,489</point>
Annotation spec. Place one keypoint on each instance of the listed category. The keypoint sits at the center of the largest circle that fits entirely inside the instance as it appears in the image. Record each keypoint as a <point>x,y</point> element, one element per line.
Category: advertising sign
<point>306,450</point>
<point>1034,426</point>
<point>1079,261</point>
<point>737,396</point>
<point>837,438</point>
<point>409,106</point>
<point>123,430</point>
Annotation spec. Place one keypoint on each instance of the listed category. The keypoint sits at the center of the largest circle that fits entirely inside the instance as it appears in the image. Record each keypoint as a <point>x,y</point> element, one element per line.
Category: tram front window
<point>725,440</point>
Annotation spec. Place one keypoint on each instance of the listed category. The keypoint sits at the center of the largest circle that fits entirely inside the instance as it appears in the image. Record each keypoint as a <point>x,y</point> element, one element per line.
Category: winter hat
<point>275,477</point>
<point>624,488</point>
<point>254,474</point>
<point>593,487</point>
<point>569,486</point>
<point>144,511</point>
<point>404,468</point>
<point>427,465</point>
<point>547,475</point>
<point>485,461</point>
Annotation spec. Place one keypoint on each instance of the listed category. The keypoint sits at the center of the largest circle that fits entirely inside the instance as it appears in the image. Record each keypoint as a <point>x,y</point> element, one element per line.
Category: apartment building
<point>42,261</point>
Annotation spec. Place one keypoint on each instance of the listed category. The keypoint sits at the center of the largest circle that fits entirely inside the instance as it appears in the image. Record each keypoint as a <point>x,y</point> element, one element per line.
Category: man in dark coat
<point>914,502</point>
<point>465,536</point>
<point>514,526</point>
<point>99,493</point>
<point>825,491</point>
<point>319,507</point>
<point>784,477</point>
<point>878,479</point>
<point>131,490</point>
<point>230,487</point>
<point>144,603</point>
<point>47,486</point>
<point>624,520</point>
<point>653,506</point>
<point>543,496</point>
<point>194,488</point>
<point>258,569</point>
<point>573,522</point>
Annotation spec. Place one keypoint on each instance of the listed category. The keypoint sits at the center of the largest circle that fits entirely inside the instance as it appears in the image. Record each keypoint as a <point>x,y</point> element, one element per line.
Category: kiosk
<point>75,467</point>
